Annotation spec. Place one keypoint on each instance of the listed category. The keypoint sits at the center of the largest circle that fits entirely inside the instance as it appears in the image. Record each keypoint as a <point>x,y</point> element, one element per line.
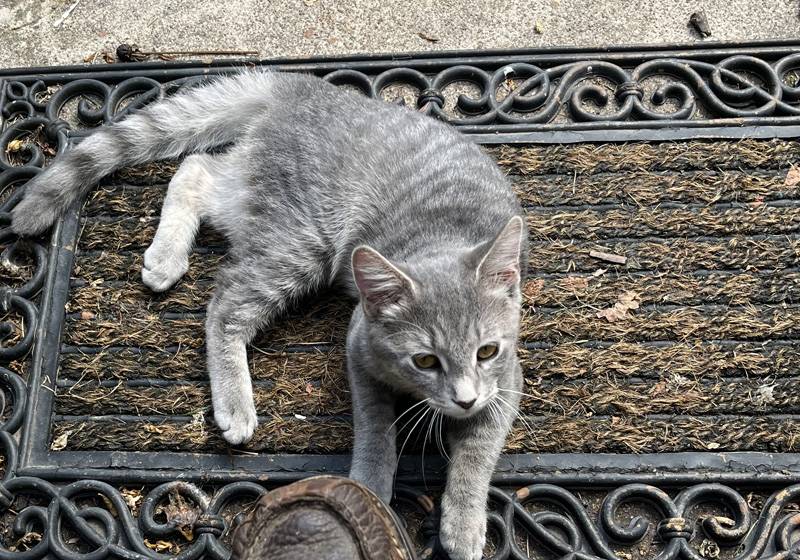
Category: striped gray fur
<point>316,186</point>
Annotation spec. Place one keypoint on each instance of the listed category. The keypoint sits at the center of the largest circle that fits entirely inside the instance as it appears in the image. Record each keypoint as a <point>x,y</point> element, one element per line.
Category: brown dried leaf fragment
<point>627,301</point>
<point>14,146</point>
<point>533,289</point>
<point>575,283</point>
<point>792,177</point>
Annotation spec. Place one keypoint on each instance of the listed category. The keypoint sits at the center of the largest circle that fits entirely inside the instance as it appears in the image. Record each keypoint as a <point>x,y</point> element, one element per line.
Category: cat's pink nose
<point>466,405</point>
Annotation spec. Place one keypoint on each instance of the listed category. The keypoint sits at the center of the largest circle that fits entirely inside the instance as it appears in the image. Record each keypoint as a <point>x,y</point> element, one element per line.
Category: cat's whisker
<point>424,443</point>
<point>415,417</point>
<point>409,409</point>
<point>517,393</point>
<point>411,431</point>
<point>497,412</point>
<point>517,413</point>
<point>442,447</point>
<point>490,408</point>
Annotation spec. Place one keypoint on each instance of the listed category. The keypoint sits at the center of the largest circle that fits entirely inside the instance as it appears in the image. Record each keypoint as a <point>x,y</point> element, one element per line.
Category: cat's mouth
<point>459,412</point>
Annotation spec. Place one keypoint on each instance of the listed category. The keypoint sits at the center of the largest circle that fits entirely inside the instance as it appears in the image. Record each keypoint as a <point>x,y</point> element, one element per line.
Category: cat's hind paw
<point>237,427</point>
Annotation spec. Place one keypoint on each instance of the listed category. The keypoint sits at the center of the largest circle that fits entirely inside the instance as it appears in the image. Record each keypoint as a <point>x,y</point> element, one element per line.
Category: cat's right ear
<point>383,287</point>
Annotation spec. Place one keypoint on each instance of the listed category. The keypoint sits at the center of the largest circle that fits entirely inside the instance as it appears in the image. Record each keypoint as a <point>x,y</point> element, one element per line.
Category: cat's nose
<point>466,405</point>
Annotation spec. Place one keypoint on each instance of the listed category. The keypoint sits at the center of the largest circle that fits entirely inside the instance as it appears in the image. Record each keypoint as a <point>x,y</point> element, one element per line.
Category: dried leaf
<point>132,497</point>
<point>626,301</point>
<point>60,442</point>
<point>792,177</point>
<point>537,27</point>
<point>428,38</point>
<point>576,283</point>
<point>158,546</point>
<point>533,288</point>
<point>14,146</point>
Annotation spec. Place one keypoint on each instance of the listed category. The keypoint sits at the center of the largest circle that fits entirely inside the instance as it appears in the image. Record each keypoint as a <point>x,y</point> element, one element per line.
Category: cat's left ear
<point>383,287</point>
<point>500,267</point>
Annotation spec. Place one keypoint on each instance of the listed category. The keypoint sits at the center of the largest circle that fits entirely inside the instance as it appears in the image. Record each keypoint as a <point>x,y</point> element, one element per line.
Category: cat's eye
<point>487,351</point>
<point>426,361</point>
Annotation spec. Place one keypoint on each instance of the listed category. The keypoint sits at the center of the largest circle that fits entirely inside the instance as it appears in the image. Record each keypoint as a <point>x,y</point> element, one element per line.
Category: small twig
<point>129,53</point>
<point>610,257</point>
<point>59,22</point>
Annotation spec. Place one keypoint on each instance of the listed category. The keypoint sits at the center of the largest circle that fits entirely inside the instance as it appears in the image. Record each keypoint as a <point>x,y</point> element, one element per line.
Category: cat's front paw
<point>463,535</point>
<point>163,267</point>
<point>237,424</point>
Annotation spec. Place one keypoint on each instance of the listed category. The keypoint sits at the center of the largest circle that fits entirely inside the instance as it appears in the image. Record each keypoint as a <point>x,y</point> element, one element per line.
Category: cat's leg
<point>374,434</point>
<point>475,447</point>
<point>167,258</point>
<point>232,319</point>
<point>251,291</point>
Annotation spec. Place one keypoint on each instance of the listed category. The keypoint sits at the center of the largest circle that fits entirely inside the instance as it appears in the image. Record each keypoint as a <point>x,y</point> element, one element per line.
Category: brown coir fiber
<point>711,323</point>
<point>287,396</point>
<point>619,434</point>
<point>125,234</point>
<point>309,370</point>
<point>562,361</point>
<point>707,362</point>
<point>95,267</point>
<point>633,187</point>
<point>707,221</point>
<point>668,156</point>
<point>703,360</point>
<point>667,254</point>
<point>685,289</point>
<point>275,435</point>
<point>559,256</point>
<point>556,434</point>
<point>666,288</point>
<point>328,325</point>
<point>323,322</point>
<point>647,188</point>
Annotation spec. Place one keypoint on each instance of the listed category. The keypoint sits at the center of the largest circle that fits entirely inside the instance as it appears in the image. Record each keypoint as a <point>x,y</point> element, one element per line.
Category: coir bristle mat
<point>661,314</point>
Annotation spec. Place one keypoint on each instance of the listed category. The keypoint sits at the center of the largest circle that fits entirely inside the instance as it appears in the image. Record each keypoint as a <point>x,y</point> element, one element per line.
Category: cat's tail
<point>197,119</point>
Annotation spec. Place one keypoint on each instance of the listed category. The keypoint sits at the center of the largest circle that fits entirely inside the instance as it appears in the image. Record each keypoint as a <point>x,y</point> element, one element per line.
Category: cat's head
<point>444,327</point>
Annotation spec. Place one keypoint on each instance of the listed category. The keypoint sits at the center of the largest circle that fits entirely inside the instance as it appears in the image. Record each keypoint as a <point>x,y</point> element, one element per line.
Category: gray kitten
<point>319,186</point>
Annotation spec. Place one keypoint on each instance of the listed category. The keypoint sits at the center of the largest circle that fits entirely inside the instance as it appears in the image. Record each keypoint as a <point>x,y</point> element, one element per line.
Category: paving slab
<point>49,32</point>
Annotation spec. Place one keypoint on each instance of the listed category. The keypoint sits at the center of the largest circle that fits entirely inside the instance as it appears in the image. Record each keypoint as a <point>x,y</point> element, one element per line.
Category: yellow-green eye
<point>487,351</point>
<point>426,361</point>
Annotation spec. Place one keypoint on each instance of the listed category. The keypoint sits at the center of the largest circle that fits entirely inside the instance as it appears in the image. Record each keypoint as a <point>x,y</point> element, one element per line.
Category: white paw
<point>237,423</point>
<point>463,536</point>
<point>163,268</point>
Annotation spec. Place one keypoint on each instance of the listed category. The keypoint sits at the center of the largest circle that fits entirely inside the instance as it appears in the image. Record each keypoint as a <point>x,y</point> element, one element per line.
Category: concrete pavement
<point>49,32</point>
